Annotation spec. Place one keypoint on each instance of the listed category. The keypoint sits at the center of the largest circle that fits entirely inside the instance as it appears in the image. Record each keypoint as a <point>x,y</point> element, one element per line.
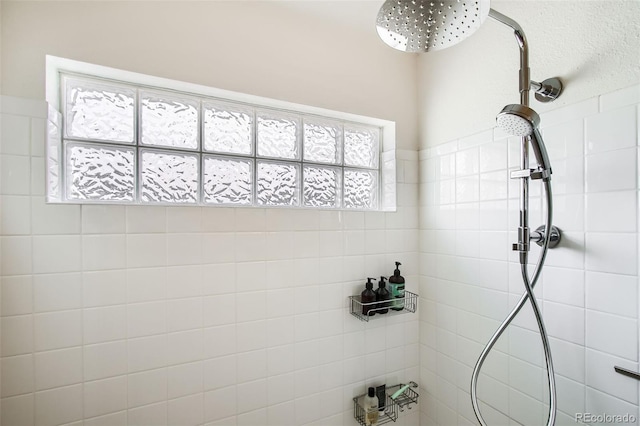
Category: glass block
<point>99,172</point>
<point>361,189</point>
<point>277,183</point>
<point>278,135</point>
<point>169,177</point>
<point>361,146</point>
<point>228,128</point>
<point>53,156</point>
<point>99,111</point>
<point>228,180</point>
<point>321,187</point>
<point>168,120</point>
<point>322,141</point>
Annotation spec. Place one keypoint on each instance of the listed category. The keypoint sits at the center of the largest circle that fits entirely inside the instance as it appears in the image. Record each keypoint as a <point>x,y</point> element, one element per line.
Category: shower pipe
<point>404,25</point>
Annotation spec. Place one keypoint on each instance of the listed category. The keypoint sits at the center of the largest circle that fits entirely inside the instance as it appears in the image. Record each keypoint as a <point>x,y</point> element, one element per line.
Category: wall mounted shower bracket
<point>538,235</point>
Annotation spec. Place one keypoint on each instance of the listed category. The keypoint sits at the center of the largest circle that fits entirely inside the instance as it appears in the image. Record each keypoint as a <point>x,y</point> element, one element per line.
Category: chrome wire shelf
<point>392,406</point>
<point>366,311</point>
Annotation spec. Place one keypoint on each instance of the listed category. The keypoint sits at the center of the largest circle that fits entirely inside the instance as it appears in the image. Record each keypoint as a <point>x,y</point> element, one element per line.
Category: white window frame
<point>55,66</point>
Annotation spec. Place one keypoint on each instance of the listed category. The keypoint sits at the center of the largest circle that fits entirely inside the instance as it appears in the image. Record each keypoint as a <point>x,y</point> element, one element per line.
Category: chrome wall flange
<point>547,91</point>
<point>538,236</point>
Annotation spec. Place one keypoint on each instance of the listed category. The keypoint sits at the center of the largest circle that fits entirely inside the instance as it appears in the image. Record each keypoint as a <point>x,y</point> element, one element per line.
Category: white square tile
<point>104,324</point>
<point>569,212</point>
<point>611,212</point>
<point>101,252</point>
<point>184,314</point>
<point>568,359</point>
<point>15,175</point>
<point>146,219</point>
<point>16,132</point>
<point>16,214</point>
<point>57,254</point>
<point>467,162</point>
<point>218,248</point>
<point>102,219</point>
<point>105,396</point>
<point>251,365</point>
<point>146,250</point>
<point>54,292</point>
<point>146,319</point>
<point>615,253</point>
<point>467,189</point>
<point>250,276</point>
<point>185,346</point>
<point>17,335</point>
<point>185,379</point>
<point>184,219</point>
<point>280,331</point>
<point>280,360</point>
<point>252,396</point>
<point>612,334</point>
<point>38,134</point>
<point>565,322</point>
<point>250,246</point>
<point>563,285</point>
<point>103,288</point>
<point>154,414</point>
<point>37,176</point>
<point>611,130</point>
<point>569,113</point>
<point>17,375</point>
<point>253,306</point>
<point>145,285</point>
<point>280,303</point>
<point>187,411</point>
<point>567,177</point>
<point>57,330</point>
<point>279,245</point>
<point>146,387</point>
<point>58,368</point>
<point>16,257</point>
<point>251,335</point>
<point>147,353</point>
<point>17,295</point>
<point>219,372</point>
<point>564,140</point>
<point>59,406</point>
<point>106,420</point>
<point>54,219</point>
<point>599,402</point>
<point>184,249</point>
<point>212,285</point>
<point>611,170</point>
<point>611,293</point>
<point>184,281</point>
<point>105,360</point>
<point>18,410</point>
<point>219,341</point>
<point>306,244</point>
<point>250,220</point>
<point>280,389</point>
<point>219,310</point>
<point>220,403</point>
<point>281,414</point>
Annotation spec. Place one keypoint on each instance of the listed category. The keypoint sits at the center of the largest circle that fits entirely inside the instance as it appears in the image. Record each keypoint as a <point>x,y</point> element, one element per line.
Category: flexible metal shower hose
<point>528,295</point>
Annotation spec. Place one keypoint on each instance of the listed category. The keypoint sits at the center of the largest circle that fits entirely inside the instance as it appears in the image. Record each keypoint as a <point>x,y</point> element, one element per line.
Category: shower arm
<point>546,91</point>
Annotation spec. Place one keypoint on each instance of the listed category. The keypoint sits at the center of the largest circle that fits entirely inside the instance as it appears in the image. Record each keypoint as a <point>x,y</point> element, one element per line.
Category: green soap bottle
<point>396,288</point>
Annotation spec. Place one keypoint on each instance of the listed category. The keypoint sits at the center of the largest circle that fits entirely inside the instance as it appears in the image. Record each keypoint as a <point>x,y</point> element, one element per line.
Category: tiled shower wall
<point>143,315</point>
<point>588,291</point>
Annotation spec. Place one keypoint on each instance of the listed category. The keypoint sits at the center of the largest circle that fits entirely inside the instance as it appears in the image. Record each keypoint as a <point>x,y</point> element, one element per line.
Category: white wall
<point>280,50</point>
<point>159,315</point>
<point>593,46</point>
<point>589,287</point>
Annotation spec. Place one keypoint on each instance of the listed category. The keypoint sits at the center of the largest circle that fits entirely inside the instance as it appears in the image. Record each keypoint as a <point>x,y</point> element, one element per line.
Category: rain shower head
<point>427,25</point>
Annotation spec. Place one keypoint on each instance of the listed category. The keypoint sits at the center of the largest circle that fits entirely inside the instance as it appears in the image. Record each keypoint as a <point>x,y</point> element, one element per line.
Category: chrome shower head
<point>518,120</point>
<point>427,25</point>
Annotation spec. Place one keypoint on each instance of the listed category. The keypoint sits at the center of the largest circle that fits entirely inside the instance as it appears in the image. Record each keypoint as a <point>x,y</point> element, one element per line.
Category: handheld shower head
<point>519,120</point>
<point>427,25</point>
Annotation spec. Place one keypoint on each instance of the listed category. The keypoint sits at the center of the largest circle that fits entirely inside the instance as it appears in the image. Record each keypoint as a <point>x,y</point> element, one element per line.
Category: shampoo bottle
<point>367,297</point>
<point>371,414</point>
<point>382,296</point>
<point>396,288</point>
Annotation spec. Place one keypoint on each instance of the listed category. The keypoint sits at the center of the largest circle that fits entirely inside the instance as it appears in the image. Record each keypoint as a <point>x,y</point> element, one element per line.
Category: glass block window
<point>118,142</point>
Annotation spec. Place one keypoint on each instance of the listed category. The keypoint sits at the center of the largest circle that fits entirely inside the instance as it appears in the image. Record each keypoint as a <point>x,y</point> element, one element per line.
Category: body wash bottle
<point>382,296</point>
<point>371,414</point>
<point>396,288</point>
<point>367,297</point>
